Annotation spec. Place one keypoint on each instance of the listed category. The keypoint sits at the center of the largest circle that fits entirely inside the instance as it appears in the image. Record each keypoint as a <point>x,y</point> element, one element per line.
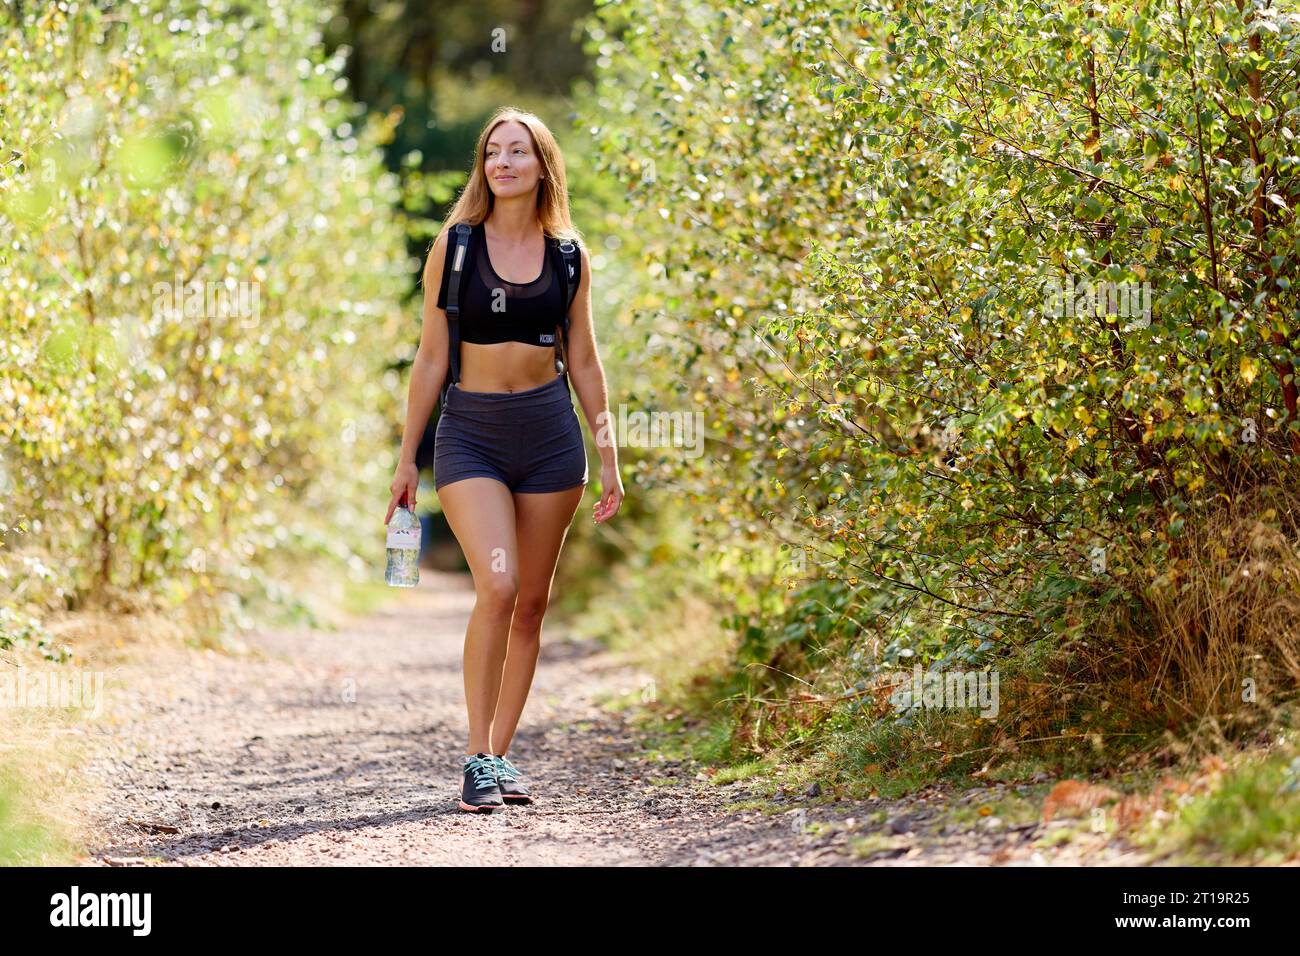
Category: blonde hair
<point>476,199</point>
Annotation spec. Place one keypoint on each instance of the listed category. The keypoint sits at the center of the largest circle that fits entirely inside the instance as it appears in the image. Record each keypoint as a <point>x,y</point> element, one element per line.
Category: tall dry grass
<point>1212,637</point>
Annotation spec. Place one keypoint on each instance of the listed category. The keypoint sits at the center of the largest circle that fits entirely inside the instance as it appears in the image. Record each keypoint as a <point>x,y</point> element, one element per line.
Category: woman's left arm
<point>588,377</point>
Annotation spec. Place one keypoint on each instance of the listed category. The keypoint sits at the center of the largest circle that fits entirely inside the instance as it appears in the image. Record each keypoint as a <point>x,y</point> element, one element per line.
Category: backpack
<point>564,259</point>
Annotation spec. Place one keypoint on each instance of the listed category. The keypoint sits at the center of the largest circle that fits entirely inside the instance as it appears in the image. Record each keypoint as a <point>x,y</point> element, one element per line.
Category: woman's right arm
<point>427,374</point>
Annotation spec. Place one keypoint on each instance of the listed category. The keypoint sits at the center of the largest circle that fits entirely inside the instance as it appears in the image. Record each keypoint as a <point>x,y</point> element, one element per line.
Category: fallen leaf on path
<point>153,827</point>
<point>1074,798</point>
<point>1130,811</point>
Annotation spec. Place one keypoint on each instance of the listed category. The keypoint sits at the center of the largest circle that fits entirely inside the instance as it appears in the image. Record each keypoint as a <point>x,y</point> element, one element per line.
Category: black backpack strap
<point>458,254</point>
<point>570,266</point>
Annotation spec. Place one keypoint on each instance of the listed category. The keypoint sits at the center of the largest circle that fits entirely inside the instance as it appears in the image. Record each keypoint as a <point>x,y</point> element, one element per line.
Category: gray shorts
<point>530,441</point>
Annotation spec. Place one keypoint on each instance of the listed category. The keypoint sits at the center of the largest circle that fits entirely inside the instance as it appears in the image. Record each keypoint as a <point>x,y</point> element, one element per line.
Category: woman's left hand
<point>611,494</point>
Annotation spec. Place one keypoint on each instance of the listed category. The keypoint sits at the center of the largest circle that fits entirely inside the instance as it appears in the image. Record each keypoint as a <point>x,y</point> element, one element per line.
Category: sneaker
<point>479,792</point>
<point>508,780</point>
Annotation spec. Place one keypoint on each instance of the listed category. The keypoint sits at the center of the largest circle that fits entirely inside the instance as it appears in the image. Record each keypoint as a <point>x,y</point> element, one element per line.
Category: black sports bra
<point>493,310</point>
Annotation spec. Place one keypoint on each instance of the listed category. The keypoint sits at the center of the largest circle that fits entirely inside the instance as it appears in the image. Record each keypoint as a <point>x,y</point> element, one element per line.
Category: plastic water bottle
<point>403,548</point>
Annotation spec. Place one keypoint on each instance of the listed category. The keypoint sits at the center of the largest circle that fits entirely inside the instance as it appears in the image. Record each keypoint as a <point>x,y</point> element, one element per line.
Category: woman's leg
<point>481,513</point>
<point>541,523</point>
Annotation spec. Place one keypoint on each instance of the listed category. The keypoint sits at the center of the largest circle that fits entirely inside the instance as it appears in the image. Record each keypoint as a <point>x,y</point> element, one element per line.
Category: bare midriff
<point>505,367</point>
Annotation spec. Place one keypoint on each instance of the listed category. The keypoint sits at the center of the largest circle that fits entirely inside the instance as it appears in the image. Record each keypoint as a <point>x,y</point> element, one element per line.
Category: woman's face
<point>510,162</point>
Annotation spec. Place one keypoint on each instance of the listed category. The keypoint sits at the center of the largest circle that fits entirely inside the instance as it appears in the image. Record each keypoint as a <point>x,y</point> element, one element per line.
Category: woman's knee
<point>497,592</point>
<point>530,608</point>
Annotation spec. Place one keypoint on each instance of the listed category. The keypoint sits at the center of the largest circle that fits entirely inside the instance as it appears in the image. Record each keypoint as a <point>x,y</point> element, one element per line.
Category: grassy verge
<point>1244,811</point>
<point>38,786</point>
<point>1223,790</point>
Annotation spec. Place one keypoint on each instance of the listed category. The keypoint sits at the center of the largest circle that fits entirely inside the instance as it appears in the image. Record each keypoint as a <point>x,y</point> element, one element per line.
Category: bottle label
<point>404,538</point>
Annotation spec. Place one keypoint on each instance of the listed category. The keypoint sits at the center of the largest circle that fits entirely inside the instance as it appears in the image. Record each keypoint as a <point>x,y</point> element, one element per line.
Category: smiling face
<point>510,162</point>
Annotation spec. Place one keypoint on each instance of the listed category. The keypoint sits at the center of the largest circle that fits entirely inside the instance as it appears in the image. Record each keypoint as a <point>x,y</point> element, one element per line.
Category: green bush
<point>859,225</point>
<point>200,293</point>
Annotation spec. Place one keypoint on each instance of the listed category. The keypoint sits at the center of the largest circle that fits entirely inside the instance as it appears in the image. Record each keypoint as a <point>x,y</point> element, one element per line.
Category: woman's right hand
<point>405,482</point>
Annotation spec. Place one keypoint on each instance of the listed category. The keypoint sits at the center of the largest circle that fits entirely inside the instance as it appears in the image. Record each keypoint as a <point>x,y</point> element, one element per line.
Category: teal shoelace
<point>484,771</point>
<point>505,769</point>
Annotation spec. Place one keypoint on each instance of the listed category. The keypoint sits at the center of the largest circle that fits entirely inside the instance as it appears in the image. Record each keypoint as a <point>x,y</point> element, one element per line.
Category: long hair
<point>477,199</point>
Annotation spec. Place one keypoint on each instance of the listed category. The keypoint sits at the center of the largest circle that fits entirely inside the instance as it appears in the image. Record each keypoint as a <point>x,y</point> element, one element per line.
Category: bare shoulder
<point>433,262</point>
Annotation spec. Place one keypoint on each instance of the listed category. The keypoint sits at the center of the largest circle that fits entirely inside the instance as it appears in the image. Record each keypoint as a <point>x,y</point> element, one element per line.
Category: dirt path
<point>342,747</point>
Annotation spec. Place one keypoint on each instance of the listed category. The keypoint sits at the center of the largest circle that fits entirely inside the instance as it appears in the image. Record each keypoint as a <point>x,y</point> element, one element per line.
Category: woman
<point>510,465</point>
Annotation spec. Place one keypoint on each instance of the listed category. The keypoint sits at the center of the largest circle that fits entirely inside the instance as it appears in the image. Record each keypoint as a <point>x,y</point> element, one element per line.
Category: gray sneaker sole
<point>484,808</point>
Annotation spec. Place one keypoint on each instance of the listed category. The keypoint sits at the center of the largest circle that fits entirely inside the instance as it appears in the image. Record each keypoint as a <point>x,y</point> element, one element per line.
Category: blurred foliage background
<point>213,219</point>
<point>827,228</point>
